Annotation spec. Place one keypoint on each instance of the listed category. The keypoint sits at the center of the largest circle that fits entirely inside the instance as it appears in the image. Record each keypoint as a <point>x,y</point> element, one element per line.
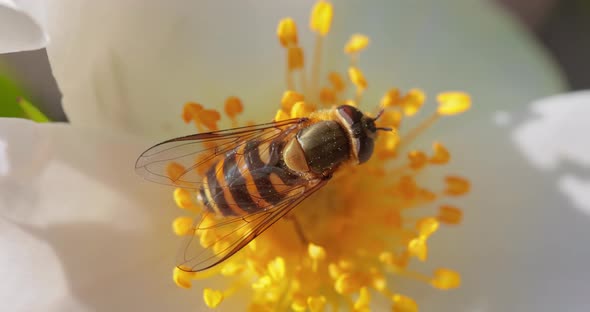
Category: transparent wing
<point>182,161</point>
<point>217,238</point>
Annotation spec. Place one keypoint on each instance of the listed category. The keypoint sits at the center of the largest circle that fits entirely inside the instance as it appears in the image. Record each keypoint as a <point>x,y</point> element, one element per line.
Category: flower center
<point>340,246</point>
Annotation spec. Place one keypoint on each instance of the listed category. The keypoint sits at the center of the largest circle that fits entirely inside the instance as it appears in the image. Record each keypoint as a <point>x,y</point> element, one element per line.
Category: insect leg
<point>298,229</point>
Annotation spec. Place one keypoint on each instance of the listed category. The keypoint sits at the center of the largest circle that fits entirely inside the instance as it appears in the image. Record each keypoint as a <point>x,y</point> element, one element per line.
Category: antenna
<point>379,114</point>
<point>384,129</point>
<point>377,117</point>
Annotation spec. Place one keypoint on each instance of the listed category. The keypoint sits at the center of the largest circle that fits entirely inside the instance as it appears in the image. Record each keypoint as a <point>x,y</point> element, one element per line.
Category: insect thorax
<point>318,149</point>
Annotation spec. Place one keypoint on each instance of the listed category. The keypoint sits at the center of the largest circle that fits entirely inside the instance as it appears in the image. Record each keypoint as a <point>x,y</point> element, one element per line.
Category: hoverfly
<point>248,178</point>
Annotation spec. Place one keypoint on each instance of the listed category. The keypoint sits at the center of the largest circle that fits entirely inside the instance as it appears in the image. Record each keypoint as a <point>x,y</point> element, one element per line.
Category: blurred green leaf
<point>12,99</point>
<point>32,112</point>
<point>10,91</point>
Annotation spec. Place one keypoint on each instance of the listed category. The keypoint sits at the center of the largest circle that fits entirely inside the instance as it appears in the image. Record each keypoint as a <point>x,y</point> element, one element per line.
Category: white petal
<point>522,244</point>
<point>448,45</point>
<point>83,224</point>
<point>135,71</point>
<point>555,140</point>
<point>21,25</point>
<point>32,276</point>
<point>557,133</point>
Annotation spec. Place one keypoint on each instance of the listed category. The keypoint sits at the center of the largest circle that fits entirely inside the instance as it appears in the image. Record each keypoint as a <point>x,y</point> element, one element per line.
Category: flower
<point>50,230</point>
<point>21,26</point>
<point>340,246</point>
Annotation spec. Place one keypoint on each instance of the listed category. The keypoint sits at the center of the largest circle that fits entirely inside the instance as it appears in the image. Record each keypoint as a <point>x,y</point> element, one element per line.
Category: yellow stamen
<point>182,278</point>
<point>456,186</point>
<point>417,159</point>
<point>316,303</point>
<point>212,297</point>
<point>453,103</point>
<point>207,238</point>
<point>449,214</point>
<point>183,226</point>
<point>276,268</point>
<point>301,109</point>
<point>327,96</point>
<point>281,115</point>
<point>390,118</point>
<point>319,22</point>
<point>189,110</point>
<point>357,78</point>
<point>390,146</point>
<point>299,303</point>
<point>356,43</point>
<point>337,82</point>
<point>262,283</point>
<point>184,199</point>
<point>347,284</point>
<point>403,303</point>
<point>427,226</point>
<point>379,282</point>
<point>316,252</point>
<point>445,279</point>
<point>233,107</point>
<point>174,171</point>
<point>413,101</point>
<point>334,271</point>
<point>295,57</point>
<point>441,154</point>
<point>289,99</point>
<point>200,116</point>
<point>363,300</point>
<point>287,32</point>
<point>418,248</point>
<point>232,268</point>
<point>391,99</point>
<point>261,307</point>
<point>321,18</point>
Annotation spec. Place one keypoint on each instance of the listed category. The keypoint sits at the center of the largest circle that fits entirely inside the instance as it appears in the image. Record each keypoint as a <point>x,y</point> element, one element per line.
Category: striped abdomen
<point>248,179</point>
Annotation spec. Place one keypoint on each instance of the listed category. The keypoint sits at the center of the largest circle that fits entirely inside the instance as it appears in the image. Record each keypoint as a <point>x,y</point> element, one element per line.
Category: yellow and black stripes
<point>248,179</point>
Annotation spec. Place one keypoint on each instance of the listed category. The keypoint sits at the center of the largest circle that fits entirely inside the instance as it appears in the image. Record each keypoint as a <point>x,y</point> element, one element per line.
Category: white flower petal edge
<point>21,25</point>
<point>78,229</point>
<point>136,71</point>
<point>555,140</point>
<point>522,245</point>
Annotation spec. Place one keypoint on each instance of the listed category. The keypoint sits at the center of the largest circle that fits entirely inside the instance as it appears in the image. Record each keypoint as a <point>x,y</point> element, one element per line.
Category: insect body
<point>248,178</point>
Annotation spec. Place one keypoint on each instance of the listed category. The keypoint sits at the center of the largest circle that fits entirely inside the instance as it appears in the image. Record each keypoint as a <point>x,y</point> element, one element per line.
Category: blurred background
<point>561,26</point>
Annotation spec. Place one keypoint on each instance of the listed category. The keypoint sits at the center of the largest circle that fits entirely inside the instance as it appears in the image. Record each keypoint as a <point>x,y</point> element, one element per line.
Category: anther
<point>356,43</point>
<point>413,101</point>
<point>448,214</point>
<point>316,303</point>
<point>321,17</point>
<point>457,186</point>
<point>233,107</point>
<point>336,81</point>
<point>212,297</point>
<point>403,303</point>
<point>287,32</point>
<point>289,99</point>
<point>295,57</point>
<point>445,279</point>
<point>453,103</point>
<point>182,278</point>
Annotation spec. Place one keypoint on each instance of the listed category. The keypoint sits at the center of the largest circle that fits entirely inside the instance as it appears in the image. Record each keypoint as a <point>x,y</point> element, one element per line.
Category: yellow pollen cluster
<point>367,226</point>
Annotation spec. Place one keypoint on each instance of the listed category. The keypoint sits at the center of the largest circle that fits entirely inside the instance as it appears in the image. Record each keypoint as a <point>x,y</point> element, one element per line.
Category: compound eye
<point>350,114</point>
